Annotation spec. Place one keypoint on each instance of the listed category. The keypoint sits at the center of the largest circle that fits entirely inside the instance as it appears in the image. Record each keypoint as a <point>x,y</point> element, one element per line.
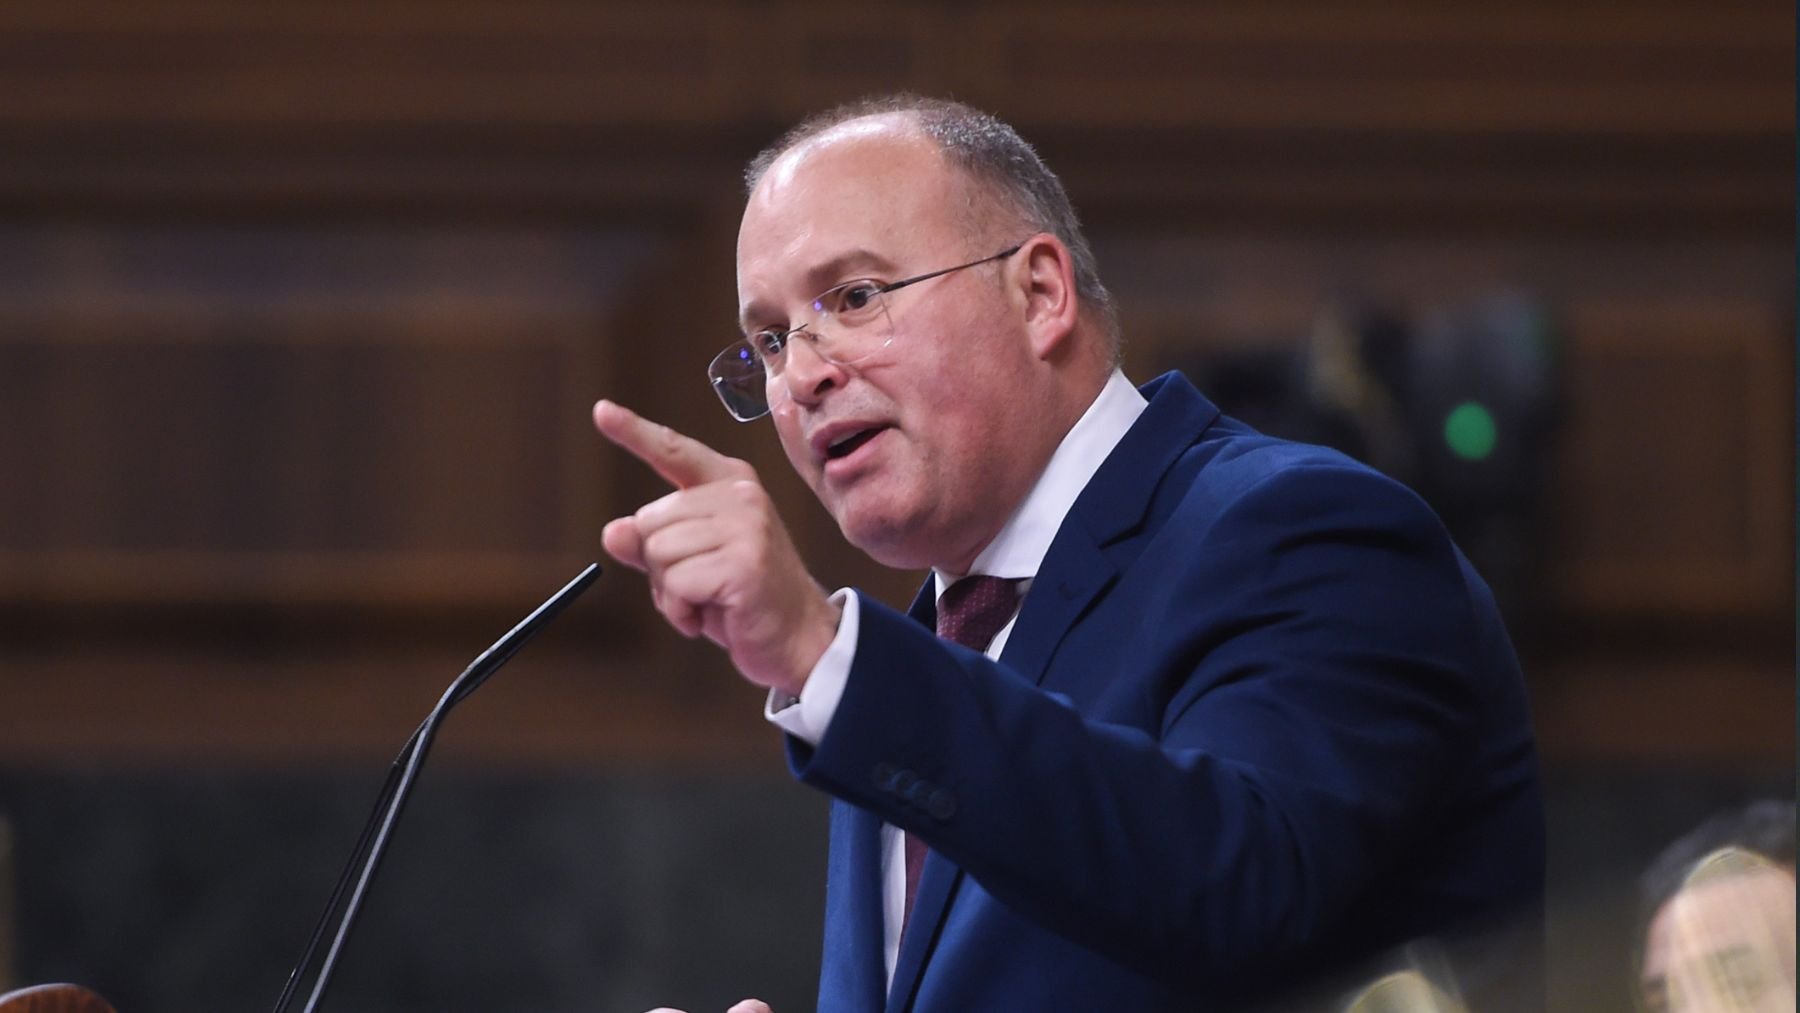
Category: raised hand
<point>718,557</point>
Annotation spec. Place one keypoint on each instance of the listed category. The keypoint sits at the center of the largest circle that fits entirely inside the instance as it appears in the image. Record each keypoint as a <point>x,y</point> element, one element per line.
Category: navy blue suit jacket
<point>1258,718</point>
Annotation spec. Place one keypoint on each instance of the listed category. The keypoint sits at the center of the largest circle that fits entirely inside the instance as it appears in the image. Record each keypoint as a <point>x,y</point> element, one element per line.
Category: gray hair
<point>989,152</point>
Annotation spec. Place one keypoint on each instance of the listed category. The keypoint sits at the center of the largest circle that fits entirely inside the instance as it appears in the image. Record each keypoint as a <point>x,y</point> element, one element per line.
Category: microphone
<point>401,777</point>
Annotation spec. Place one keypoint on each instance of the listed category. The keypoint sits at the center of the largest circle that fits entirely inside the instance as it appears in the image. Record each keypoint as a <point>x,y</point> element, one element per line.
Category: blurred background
<point>302,310</point>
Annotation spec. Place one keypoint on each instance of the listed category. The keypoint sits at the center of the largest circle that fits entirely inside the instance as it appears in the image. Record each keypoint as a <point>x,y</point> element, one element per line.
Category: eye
<point>851,300</point>
<point>860,295</point>
<point>770,343</point>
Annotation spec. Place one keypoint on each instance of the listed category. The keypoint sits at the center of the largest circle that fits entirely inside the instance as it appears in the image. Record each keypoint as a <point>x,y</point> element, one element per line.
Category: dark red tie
<point>970,612</point>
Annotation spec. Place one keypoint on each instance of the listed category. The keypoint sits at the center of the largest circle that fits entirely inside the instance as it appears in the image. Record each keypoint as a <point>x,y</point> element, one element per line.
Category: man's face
<point>934,421</point>
<point>1724,944</point>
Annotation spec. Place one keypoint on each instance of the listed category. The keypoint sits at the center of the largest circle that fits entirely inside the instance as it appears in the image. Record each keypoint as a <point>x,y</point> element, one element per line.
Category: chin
<point>888,540</point>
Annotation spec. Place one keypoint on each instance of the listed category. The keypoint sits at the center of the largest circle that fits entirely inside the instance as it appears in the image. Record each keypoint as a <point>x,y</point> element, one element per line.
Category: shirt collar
<point>1019,549</point>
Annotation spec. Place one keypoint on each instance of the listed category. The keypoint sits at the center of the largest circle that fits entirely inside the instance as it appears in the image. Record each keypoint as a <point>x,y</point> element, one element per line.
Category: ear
<point>1046,280</point>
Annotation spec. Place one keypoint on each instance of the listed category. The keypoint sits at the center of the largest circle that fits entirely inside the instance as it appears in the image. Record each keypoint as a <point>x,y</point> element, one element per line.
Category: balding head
<point>959,386</point>
<point>1010,188</point>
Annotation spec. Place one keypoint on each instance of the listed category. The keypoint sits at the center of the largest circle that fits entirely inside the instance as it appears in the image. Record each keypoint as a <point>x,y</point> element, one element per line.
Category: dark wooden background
<point>302,308</point>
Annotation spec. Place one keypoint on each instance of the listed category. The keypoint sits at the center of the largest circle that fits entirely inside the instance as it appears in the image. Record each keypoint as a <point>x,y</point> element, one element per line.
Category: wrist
<point>818,632</point>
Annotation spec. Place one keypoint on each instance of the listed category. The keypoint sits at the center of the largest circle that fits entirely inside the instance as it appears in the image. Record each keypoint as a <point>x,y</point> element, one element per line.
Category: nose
<point>808,374</point>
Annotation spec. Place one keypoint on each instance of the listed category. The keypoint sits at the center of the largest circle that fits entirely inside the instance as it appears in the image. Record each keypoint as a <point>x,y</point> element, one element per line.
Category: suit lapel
<point>1077,569</point>
<point>1073,575</point>
<point>938,883</point>
<point>853,977</point>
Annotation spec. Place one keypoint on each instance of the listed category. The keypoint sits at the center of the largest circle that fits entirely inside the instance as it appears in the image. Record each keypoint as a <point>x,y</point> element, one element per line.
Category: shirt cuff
<point>806,716</point>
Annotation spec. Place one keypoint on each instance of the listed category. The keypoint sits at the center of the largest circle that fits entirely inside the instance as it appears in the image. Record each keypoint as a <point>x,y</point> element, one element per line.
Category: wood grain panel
<point>331,416</point>
<point>1712,710</point>
<point>256,466</point>
<point>1414,66</point>
<point>328,700</point>
<point>1411,65</point>
<point>1679,458</point>
<point>387,63</point>
<point>1394,115</point>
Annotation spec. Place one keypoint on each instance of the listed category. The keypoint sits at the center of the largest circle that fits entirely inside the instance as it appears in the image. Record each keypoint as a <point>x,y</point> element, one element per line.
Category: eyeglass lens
<point>851,324</point>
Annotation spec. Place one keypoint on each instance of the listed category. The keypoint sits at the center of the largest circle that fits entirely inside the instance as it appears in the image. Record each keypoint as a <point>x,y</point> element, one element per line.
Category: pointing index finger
<point>681,460</point>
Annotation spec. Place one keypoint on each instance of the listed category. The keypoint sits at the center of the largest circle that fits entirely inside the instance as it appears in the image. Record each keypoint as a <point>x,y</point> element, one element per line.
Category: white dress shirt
<point>1017,551</point>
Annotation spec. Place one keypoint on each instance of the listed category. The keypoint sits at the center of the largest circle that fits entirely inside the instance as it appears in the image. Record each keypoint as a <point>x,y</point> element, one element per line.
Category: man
<point>1719,916</point>
<point>1249,716</point>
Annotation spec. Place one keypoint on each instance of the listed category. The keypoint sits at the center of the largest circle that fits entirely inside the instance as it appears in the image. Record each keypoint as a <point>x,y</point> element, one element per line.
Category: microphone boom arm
<point>389,803</point>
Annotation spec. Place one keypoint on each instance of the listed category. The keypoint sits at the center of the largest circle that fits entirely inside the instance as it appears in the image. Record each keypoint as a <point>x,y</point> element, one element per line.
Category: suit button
<point>917,791</point>
<point>941,805</point>
<point>884,776</point>
<point>902,782</point>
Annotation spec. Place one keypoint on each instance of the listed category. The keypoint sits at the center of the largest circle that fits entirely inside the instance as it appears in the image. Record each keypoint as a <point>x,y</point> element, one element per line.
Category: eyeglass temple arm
<point>902,283</point>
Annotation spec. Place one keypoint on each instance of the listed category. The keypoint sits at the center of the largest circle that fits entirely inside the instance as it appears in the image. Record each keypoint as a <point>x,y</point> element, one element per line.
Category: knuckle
<point>650,516</point>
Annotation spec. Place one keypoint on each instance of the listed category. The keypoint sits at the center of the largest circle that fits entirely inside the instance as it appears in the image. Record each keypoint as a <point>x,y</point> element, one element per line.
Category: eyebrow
<point>822,276</point>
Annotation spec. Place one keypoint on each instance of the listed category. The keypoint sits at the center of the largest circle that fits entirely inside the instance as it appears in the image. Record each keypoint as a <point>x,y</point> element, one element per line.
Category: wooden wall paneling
<point>830,53</point>
<point>1394,66</point>
<point>571,700</point>
<point>1427,185</point>
<point>1712,709</point>
<point>1546,117</point>
<point>362,467</point>
<point>394,63</point>
<point>286,420</point>
<point>1257,279</point>
<point>1679,460</point>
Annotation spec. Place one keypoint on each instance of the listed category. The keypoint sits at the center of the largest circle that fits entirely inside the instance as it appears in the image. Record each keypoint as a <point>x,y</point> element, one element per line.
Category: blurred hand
<point>720,561</point>
<point>747,1006</point>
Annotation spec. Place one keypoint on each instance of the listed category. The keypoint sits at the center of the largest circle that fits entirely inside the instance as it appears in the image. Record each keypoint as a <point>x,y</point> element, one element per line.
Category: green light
<point>1469,429</point>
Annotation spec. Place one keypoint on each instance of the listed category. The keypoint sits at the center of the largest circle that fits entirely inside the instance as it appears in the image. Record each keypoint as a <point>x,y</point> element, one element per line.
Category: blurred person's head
<point>1719,911</point>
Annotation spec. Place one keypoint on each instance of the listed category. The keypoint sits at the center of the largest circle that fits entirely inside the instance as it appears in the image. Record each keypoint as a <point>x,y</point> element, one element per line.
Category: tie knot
<point>971,611</point>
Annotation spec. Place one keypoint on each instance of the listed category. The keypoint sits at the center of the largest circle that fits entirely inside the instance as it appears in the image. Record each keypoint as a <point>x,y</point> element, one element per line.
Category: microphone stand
<point>394,792</point>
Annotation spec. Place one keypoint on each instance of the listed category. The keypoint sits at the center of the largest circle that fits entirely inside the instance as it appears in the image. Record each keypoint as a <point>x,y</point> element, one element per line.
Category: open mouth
<point>847,445</point>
